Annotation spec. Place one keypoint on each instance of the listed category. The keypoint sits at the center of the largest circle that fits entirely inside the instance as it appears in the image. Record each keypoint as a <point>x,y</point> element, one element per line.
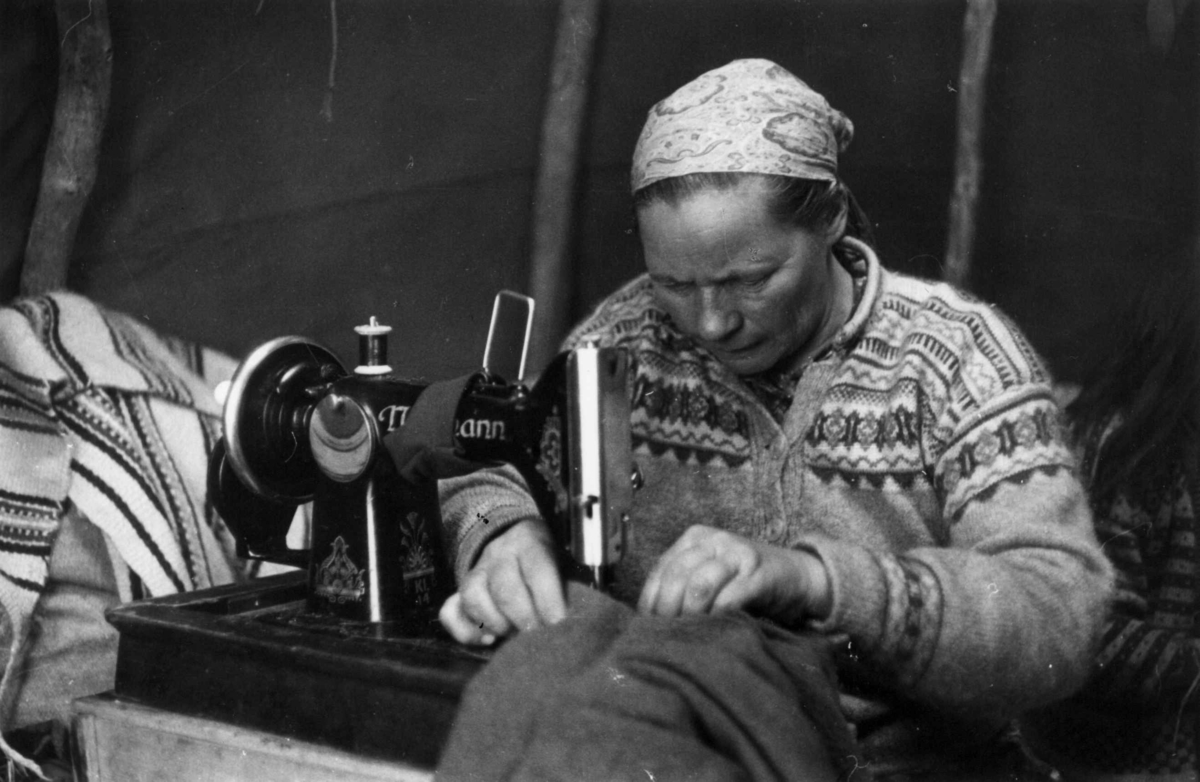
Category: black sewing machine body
<point>299,428</point>
<point>345,649</point>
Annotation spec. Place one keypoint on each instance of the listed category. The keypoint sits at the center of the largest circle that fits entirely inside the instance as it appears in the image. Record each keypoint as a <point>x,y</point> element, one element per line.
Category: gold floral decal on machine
<point>550,456</point>
<point>338,579</point>
<point>418,556</point>
<point>417,561</point>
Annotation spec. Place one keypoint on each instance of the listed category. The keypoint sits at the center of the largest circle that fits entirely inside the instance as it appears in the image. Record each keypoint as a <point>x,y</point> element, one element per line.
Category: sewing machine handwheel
<point>271,398</point>
<point>260,526</point>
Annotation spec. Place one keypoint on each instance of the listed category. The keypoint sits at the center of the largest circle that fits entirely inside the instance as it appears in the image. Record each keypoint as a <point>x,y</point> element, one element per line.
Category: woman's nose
<point>716,318</point>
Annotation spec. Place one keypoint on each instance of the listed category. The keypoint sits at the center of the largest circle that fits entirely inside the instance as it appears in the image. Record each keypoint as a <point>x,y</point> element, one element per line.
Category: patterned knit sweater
<point>1138,716</point>
<point>922,460</point>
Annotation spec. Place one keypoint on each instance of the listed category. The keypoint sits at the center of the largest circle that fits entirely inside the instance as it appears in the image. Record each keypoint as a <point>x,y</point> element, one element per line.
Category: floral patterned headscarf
<point>751,116</point>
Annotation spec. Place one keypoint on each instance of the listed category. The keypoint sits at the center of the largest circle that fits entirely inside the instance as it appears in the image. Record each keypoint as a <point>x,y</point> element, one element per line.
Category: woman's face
<point>750,290</point>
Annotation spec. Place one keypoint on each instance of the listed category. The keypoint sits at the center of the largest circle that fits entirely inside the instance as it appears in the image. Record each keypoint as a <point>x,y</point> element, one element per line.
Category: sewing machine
<point>299,428</point>
<point>340,669</point>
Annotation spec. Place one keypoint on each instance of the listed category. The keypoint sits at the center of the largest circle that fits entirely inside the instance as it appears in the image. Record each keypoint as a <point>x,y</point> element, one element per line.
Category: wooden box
<point>249,655</point>
<point>120,741</point>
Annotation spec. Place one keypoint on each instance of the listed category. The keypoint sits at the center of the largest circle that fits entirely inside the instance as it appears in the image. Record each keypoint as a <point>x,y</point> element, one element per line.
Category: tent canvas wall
<point>228,208</point>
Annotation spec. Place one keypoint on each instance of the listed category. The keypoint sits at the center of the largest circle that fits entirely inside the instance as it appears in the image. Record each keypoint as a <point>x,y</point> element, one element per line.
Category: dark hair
<point>1151,378</point>
<point>812,204</point>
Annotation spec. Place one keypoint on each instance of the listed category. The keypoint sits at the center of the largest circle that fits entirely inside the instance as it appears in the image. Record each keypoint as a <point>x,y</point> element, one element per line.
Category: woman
<point>860,457</point>
<point>1138,423</point>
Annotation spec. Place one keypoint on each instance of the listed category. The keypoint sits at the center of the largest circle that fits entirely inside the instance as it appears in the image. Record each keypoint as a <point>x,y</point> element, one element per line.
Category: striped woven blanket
<point>100,412</point>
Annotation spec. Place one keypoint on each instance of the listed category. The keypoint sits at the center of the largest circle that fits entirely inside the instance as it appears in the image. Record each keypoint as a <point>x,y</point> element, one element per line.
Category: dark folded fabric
<point>423,449</point>
<point>612,695</point>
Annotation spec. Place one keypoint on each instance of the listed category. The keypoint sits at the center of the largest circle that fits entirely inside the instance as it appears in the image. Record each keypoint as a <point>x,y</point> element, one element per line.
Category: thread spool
<point>372,348</point>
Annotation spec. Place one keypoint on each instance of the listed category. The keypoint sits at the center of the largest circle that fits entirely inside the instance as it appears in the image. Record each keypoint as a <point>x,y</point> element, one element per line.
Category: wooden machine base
<point>243,670</point>
<point>119,741</point>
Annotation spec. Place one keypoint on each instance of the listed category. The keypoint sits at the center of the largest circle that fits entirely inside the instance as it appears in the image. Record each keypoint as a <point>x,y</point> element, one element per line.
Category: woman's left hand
<point>709,570</point>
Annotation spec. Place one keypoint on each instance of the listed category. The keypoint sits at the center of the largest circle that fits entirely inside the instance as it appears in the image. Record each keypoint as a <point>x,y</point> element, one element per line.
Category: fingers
<point>684,580</point>
<point>693,574</point>
<point>514,586</point>
<point>787,585</point>
<point>709,570</point>
<point>695,589</point>
<point>545,586</point>
<point>460,626</point>
<point>652,600</point>
<point>648,601</point>
<point>511,596</point>
<point>478,607</point>
<point>739,593</point>
<point>524,579</point>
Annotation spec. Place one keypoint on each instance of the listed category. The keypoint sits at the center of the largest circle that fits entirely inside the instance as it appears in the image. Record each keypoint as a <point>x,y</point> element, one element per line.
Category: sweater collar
<point>859,251</point>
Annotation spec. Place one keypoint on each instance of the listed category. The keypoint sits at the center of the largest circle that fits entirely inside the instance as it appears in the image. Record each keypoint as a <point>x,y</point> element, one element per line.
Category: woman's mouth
<point>735,352</point>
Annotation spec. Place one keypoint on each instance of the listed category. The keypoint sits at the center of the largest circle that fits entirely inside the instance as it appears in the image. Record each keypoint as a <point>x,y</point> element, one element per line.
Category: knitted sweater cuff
<point>858,591</point>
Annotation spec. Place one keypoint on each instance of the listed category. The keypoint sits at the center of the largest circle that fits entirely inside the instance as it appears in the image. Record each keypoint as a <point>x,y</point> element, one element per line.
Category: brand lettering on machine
<point>482,429</point>
<point>393,416</point>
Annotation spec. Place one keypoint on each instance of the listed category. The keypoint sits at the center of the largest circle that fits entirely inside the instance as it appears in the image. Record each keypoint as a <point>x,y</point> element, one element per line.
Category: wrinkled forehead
<point>715,231</point>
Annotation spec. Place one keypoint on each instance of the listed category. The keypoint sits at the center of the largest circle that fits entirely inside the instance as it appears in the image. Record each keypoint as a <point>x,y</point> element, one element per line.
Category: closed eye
<point>755,283</point>
<point>672,286</point>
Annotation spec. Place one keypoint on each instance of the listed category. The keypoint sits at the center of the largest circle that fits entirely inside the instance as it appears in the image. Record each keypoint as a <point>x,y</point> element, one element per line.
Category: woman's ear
<point>837,228</point>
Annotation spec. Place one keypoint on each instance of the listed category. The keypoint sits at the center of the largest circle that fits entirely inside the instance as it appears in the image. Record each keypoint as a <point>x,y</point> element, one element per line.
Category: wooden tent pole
<point>72,154</point>
<point>968,164</point>
<point>554,195</point>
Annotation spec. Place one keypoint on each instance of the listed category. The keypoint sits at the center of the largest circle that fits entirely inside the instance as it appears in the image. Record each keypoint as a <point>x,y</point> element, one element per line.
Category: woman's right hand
<point>514,585</point>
